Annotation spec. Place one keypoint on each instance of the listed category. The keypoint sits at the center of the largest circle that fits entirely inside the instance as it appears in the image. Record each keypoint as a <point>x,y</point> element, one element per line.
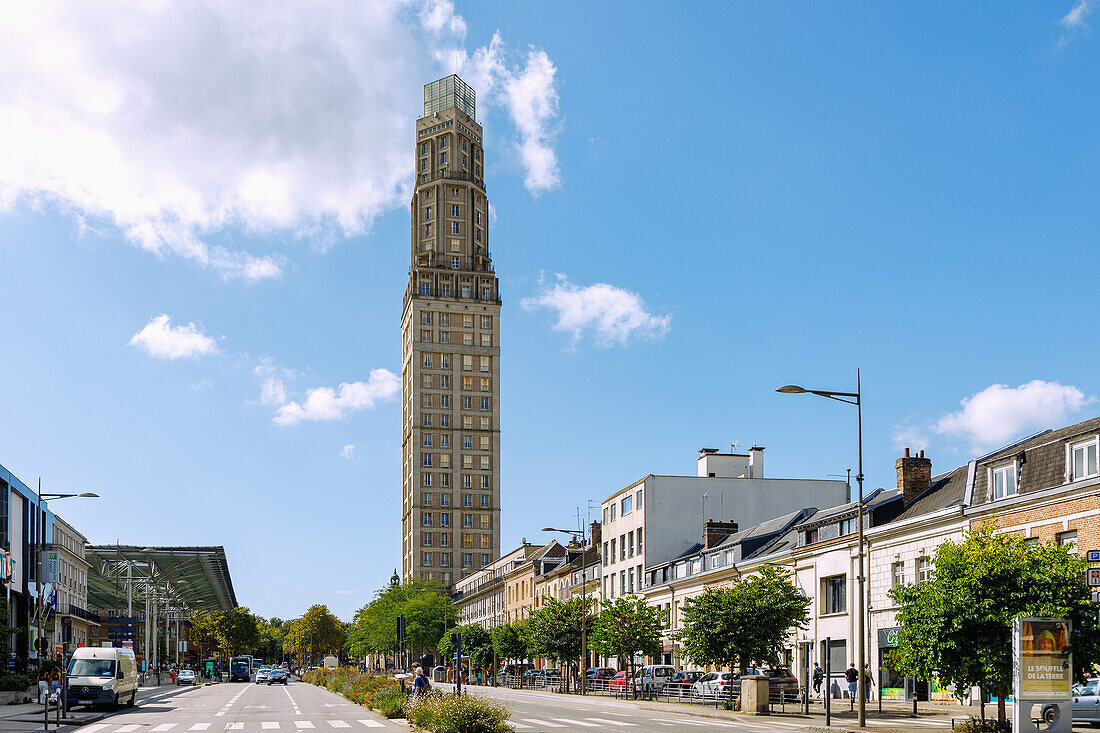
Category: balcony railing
<point>458,263</point>
<point>83,613</point>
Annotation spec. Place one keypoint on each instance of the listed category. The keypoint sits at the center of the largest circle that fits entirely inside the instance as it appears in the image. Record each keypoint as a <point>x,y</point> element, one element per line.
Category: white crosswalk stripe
<point>93,728</point>
<point>303,723</point>
<point>612,722</point>
<point>372,724</point>
<point>163,727</point>
<point>234,726</point>
<point>273,725</point>
<point>199,726</point>
<point>577,722</point>
<point>127,728</point>
<point>338,724</point>
<point>548,724</point>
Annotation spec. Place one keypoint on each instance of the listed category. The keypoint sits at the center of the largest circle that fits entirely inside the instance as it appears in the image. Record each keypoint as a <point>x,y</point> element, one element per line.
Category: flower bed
<point>370,690</point>
<point>440,713</point>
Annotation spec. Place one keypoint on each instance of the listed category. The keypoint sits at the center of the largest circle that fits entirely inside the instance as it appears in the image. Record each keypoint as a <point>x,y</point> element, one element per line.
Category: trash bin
<point>439,674</point>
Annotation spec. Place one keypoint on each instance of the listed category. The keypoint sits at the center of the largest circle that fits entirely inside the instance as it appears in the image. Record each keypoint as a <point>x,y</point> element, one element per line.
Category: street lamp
<point>40,526</point>
<point>850,398</point>
<point>584,598</point>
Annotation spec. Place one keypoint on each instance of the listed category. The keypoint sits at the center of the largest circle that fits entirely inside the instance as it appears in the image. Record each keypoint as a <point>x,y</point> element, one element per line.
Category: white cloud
<point>202,385</point>
<point>272,392</point>
<point>325,403</point>
<point>346,592</point>
<point>610,314</point>
<point>1000,414</point>
<point>347,452</point>
<point>177,122</point>
<point>164,341</point>
<point>1075,20</point>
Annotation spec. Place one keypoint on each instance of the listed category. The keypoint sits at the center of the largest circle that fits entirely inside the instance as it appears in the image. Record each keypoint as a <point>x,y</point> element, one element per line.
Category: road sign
<point>1093,555</point>
<point>1092,577</point>
<point>1096,596</point>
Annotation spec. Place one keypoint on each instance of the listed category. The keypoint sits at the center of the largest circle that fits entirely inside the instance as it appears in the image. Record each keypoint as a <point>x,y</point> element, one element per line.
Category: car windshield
<point>92,668</point>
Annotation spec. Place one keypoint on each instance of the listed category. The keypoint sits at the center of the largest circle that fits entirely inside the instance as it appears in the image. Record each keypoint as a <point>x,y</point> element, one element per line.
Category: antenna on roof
<point>733,446</point>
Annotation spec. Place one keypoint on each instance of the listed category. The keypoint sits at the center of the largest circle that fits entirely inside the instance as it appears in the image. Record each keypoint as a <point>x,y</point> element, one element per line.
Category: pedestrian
<point>851,675</point>
<point>818,676</point>
<point>868,680</point>
<point>421,685</point>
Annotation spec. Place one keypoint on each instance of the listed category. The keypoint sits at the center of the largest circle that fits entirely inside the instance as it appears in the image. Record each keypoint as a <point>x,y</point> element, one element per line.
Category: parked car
<point>685,678</point>
<point>652,677</point>
<point>780,679</point>
<point>278,676</point>
<point>599,673</point>
<point>712,683</point>
<point>619,681</point>
<point>1086,704</point>
<point>262,673</point>
<point>186,677</point>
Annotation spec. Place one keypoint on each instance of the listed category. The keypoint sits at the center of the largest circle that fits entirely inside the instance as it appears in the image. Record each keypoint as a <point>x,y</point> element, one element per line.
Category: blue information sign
<point>1093,556</point>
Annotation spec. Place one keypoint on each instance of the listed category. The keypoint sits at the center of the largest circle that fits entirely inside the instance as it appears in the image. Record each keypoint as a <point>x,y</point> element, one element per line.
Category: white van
<point>653,677</point>
<point>102,676</point>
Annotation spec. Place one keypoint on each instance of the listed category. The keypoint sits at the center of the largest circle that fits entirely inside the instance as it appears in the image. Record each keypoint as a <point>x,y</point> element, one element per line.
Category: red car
<point>619,681</point>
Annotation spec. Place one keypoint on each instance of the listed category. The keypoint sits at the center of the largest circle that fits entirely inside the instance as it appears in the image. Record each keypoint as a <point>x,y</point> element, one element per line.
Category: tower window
<point>443,159</point>
<point>454,263</point>
<point>425,289</point>
<point>454,210</point>
<point>443,142</point>
<point>456,228</point>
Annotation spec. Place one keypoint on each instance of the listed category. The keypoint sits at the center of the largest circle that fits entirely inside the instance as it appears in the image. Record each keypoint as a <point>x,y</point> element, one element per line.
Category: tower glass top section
<point>450,91</point>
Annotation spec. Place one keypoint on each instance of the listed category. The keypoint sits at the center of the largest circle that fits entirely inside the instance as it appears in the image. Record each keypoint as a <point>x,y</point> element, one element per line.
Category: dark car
<point>685,678</point>
<point>780,679</point>
<point>278,676</point>
<point>600,673</point>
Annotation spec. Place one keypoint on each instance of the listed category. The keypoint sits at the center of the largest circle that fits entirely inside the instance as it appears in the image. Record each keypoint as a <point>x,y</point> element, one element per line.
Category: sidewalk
<point>896,716</point>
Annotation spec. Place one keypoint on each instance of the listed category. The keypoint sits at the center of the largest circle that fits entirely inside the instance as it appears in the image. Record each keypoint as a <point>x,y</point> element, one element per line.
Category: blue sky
<point>698,203</point>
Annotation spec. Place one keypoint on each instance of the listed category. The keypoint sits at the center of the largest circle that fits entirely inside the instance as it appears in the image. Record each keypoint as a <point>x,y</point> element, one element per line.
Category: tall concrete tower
<point>450,351</point>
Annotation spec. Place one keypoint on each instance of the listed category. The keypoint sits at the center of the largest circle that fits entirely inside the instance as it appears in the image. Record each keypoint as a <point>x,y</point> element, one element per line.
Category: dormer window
<point>811,536</point>
<point>1083,459</point>
<point>1002,480</point>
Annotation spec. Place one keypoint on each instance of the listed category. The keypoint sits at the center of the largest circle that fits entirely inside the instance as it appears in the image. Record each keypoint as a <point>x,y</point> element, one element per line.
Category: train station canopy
<point>192,578</point>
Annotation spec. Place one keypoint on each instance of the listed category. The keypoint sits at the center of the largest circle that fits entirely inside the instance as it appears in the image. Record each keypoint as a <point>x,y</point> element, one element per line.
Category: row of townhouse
<point>657,538</point>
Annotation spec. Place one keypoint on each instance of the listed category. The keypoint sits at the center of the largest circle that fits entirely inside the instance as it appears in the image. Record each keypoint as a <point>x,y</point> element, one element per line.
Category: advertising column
<point>1042,673</point>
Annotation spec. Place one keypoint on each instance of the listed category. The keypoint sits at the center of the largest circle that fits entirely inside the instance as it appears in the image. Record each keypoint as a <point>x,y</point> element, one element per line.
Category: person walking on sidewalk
<point>851,676</point>
<point>818,676</point>
<point>868,680</point>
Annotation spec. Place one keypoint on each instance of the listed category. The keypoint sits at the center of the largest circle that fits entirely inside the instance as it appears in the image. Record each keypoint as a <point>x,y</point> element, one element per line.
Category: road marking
<point>578,722</point>
<point>612,722</point>
<point>94,728</point>
<point>296,710</point>
<point>234,726</point>
<point>164,727</point>
<point>338,724</point>
<point>303,724</point>
<point>127,728</point>
<point>199,726</point>
<point>372,724</point>
<point>520,726</point>
<point>270,726</point>
<point>536,721</point>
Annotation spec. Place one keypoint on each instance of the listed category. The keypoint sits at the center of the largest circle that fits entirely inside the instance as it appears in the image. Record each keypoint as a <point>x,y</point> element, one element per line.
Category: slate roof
<point>947,489</point>
<point>1043,456</point>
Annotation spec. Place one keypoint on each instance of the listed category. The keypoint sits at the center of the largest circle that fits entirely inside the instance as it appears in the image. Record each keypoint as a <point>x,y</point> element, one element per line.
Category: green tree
<point>958,625</point>
<point>477,644</point>
<point>428,612</point>
<point>510,641</point>
<point>236,631</point>
<point>554,630</point>
<point>203,632</point>
<point>746,623</point>
<point>270,644</point>
<point>627,626</point>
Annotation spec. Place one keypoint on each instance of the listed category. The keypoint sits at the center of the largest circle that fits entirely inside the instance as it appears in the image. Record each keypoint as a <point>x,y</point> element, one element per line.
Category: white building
<point>659,518</point>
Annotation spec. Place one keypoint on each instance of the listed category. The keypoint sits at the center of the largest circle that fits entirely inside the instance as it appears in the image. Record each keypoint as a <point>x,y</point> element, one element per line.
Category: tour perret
<point>450,350</point>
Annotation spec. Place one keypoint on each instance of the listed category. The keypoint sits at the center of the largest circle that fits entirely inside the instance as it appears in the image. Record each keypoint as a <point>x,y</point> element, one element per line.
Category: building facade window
<point>1003,480</point>
<point>1068,540</point>
<point>834,592</point>
<point>899,574</point>
<point>924,569</point>
<point>627,505</point>
<point>1083,459</point>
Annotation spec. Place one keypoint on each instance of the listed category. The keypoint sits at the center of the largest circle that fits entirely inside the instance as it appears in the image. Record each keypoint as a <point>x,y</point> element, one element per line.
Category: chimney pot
<point>914,475</point>
<point>906,452</point>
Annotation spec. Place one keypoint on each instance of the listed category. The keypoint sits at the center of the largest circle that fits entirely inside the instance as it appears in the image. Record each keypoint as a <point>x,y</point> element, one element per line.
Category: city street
<point>242,707</point>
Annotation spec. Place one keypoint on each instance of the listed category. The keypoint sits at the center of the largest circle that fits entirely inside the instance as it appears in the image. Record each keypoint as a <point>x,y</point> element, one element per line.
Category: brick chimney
<point>594,534</point>
<point>914,475</point>
<point>714,532</point>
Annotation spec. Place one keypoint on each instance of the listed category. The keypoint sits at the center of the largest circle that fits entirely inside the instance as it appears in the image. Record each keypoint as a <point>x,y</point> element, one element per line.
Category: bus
<point>240,669</point>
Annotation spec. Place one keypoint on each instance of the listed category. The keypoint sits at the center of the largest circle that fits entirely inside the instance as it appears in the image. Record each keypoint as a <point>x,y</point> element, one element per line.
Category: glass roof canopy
<point>193,578</point>
<point>450,91</point>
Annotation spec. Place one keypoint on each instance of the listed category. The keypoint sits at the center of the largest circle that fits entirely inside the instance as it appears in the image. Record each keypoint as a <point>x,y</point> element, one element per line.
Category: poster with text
<point>1041,659</point>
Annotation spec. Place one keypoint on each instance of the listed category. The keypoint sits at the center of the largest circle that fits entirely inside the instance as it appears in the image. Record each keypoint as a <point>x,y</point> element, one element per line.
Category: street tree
<point>554,630</point>
<point>744,624</point>
<point>477,644</point>
<point>626,627</point>
<point>510,641</point>
<point>317,631</point>
<point>236,631</point>
<point>958,624</point>
<point>428,612</point>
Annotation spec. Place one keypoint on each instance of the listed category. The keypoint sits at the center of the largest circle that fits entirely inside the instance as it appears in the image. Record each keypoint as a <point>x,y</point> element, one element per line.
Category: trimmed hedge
<point>15,682</point>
